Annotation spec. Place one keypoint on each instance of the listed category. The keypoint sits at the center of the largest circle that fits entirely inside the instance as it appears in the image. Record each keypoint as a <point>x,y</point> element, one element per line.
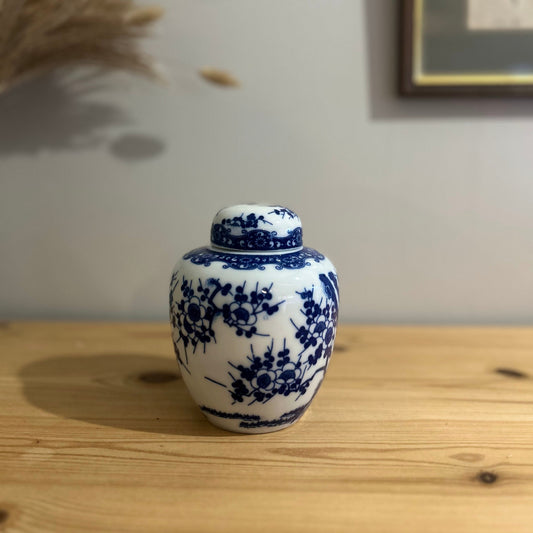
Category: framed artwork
<point>466,47</point>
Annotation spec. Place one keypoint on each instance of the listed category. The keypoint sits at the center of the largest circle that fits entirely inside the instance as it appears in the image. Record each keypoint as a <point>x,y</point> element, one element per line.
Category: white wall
<point>426,207</point>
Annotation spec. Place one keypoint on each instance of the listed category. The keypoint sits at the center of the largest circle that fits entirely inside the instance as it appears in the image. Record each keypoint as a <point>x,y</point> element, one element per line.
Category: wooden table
<point>415,429</point>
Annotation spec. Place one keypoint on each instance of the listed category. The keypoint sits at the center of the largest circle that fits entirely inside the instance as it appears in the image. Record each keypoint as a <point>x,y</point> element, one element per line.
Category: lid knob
<point>256,228</point>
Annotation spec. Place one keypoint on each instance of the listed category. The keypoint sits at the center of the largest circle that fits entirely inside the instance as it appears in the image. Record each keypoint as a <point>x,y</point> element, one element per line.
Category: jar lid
<point>256,228</point>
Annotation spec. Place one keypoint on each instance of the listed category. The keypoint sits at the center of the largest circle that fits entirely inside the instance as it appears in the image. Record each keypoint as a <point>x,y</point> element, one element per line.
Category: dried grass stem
<point>42,35</point>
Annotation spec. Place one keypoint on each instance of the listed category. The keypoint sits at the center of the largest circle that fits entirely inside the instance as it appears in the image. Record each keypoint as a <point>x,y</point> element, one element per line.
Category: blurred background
<point>425,206</point>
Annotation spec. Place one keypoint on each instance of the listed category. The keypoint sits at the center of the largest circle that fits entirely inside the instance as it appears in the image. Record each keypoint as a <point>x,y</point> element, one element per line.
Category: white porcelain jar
<point>254,318</point>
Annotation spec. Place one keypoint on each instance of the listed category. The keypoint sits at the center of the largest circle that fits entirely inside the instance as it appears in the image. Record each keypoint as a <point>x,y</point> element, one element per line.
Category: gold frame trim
<point>419,78</point>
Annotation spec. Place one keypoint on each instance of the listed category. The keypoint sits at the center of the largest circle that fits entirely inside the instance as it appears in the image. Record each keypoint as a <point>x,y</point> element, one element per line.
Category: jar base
<point>238,426</point>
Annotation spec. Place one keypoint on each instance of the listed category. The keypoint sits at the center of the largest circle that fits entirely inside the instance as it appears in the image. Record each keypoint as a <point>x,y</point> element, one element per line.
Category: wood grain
<point>415,430</point>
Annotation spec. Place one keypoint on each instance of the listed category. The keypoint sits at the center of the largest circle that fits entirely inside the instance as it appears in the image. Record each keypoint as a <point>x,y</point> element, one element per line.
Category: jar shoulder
<point>208,263</point>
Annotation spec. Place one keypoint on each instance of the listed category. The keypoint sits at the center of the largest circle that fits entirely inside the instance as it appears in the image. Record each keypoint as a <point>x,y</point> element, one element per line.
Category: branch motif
<point>201,304</point>
<point>276,372</point>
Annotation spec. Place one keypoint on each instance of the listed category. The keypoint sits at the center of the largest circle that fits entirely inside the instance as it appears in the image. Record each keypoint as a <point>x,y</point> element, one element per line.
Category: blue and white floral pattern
<point>291,261</point>
<point>276,371</point>
<point>249,221</point>
<point>201,303</point>
<point>257,228</point>
<point>317,334</point>
<point>253,319</point>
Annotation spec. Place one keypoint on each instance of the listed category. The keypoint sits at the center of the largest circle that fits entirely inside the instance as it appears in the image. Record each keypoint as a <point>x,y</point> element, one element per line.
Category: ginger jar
<point>253,318</point>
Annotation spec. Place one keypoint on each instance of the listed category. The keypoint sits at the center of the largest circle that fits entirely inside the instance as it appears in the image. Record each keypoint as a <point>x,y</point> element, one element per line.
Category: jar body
<point>253,334</point>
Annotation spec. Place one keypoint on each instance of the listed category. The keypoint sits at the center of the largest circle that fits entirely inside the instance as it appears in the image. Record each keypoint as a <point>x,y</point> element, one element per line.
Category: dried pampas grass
<point>219,77</point>
<point>37,36</point>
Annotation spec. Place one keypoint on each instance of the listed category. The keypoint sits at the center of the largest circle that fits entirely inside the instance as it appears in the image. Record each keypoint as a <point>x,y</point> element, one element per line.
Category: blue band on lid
<point>257,228</point>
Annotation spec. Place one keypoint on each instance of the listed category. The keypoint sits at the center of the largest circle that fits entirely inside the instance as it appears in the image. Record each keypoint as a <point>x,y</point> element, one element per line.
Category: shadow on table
<point>137,392</point>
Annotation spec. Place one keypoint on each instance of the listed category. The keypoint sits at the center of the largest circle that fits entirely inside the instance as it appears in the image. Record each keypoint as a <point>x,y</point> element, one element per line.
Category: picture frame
<point>466,48</point>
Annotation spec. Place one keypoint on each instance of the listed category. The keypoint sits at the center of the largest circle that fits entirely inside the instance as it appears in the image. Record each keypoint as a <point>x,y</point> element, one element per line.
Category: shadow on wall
<point>135,147</point>
<point>53,113</point>
<point>382,27</point>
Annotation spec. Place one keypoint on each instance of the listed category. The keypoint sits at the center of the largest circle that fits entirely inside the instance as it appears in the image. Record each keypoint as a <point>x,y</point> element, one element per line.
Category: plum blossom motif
<point>318,333</point>
<point>251,221</point>
<point>266,376</point>
<point>201,303</point>
<point>245,309</point>
<point>276,372</point>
